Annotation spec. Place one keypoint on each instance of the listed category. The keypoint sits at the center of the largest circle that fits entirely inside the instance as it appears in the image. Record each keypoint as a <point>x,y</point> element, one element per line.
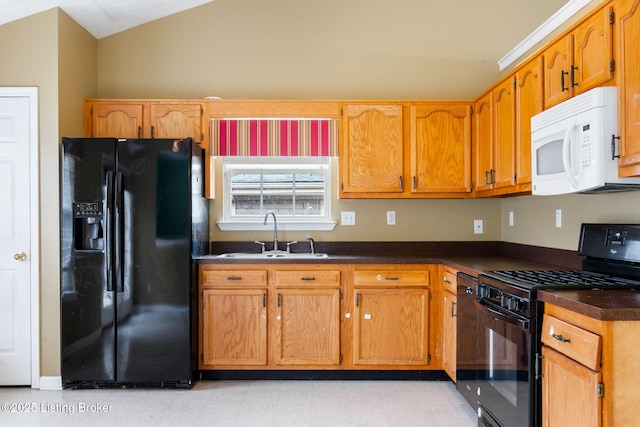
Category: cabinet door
<point>569,392</point>
<point>113,120</point>
<point>391,327</point>
<point>440,148</point>
<point>557,64</point>
<point>483,143</point>
<point>592,51</point>
<point>629,86</point>
<point>371,151</point>
<point>234,327</point>
<point>308,327</point>
<point>504,104</point>
<point>169,120</point>
<point>529,90</point>
<point>449,334</point>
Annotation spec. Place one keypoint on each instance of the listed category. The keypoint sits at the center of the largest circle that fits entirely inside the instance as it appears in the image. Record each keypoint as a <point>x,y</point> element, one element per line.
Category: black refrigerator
<point>133,216</point>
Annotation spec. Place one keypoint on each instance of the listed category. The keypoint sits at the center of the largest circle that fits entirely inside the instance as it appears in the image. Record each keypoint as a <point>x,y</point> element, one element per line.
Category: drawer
<point>449,280</point>
<point>308,278</point>
<point>234,278</point>
<point>580,345</point>
<point>391,277</point>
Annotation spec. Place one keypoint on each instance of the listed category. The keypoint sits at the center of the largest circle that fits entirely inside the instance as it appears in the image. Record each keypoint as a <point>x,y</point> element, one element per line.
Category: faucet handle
<point>289,245</point>
<point>312,248</point>
<point>262,244</point>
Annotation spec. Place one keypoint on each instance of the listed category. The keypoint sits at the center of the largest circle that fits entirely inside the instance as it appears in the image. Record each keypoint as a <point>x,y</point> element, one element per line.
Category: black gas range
<point>510,319</point>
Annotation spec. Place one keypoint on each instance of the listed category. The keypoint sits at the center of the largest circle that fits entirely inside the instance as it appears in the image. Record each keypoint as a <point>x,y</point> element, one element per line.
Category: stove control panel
<point>505,300</point>
<point>619,242</point>
<point>616,238</point>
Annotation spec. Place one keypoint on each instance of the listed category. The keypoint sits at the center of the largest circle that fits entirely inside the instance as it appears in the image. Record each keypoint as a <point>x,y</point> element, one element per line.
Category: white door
<point>15,241</point>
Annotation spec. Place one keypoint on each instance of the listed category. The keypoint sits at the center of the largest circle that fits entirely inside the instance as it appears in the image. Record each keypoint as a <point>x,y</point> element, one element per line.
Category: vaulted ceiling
<point>100,17</point>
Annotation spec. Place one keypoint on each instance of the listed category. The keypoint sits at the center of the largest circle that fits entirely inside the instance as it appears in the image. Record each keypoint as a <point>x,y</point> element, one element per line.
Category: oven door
<point>505,386</point>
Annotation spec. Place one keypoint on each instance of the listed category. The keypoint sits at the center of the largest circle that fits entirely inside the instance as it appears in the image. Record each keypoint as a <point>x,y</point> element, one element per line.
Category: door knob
<point>20,256</point>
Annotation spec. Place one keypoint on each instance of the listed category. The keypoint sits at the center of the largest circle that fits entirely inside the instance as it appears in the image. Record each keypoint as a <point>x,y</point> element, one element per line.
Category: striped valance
<point>278,137</point>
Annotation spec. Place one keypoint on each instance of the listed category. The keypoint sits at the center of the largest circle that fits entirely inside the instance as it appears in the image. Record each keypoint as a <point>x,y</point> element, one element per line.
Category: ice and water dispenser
<point>88,223</point>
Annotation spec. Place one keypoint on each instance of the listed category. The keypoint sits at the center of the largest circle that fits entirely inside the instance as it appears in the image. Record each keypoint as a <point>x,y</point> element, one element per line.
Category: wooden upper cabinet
<point>114,120</point>
<point>593,51</point>
<point>483,143</point>
<point>371,149</point>
<point>440,141</point>
<point>628,25</point>
<point>144,119</point>
<point>557,62</point>
<point>581,60</point>
<point>504,105</point>
<point>529,102</point>
<point>176,120</point>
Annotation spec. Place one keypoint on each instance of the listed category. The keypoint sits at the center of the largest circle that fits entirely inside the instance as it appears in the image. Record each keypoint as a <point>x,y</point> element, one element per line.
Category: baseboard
<point>50,383</point>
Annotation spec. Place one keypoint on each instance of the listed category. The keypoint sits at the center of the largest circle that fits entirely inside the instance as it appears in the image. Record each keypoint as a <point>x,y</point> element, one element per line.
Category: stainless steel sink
<point>272,255</point>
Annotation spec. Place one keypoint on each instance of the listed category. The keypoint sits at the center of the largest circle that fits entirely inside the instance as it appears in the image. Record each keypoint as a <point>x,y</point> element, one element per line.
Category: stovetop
<point>544,279</point>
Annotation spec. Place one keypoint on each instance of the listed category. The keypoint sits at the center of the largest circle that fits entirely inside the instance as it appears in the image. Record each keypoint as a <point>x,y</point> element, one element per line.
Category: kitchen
<point>52,41</point>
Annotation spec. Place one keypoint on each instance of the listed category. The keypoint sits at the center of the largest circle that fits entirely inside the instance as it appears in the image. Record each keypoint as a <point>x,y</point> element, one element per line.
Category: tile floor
<point>245,403</point>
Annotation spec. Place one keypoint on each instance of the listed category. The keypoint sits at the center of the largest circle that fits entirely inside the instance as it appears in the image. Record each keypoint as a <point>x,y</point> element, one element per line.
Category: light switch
<point>348,218</point>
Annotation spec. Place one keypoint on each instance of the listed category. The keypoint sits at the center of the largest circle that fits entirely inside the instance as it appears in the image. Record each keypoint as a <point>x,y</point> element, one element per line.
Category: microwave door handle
<point>566,160</point>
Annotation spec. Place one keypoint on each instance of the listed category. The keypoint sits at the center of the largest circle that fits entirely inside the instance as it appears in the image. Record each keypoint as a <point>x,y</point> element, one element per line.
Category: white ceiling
<point>101,18</point>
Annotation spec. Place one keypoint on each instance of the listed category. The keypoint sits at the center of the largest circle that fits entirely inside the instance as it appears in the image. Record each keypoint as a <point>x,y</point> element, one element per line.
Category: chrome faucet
<point>275,228</point>
<point>312,249</point>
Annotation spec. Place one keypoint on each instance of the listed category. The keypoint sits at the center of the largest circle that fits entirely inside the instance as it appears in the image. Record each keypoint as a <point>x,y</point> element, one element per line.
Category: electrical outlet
<point>478,226</point>
<point>558,218</point>
<point>510,218</point>
<point>348,218</point>
<point>391,217</point>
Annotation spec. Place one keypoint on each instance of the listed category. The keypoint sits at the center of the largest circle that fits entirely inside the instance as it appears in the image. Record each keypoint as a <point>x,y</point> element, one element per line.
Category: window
<point>296,189</point>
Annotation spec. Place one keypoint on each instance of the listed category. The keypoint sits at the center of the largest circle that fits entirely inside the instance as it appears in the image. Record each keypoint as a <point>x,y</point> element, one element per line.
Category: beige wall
<point>535,216</point>
<point>38,51</point>
<point>416,220</point>
<point>329,49</point>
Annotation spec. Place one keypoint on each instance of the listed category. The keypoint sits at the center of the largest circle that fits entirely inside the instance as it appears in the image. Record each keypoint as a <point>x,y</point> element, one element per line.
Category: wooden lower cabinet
<point>391,317</point>
<point>449,321</point>
<point>268,317</point>
<point>569,392</point>
<point>234,323</point>
<point>318,317</point>
<point>307,320</point>
<point>588,369</point>
<point>233,317</point>
<point>391,326</point>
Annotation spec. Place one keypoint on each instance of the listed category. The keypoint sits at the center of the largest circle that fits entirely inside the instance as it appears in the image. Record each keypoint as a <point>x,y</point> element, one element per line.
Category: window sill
<point>282,225</point>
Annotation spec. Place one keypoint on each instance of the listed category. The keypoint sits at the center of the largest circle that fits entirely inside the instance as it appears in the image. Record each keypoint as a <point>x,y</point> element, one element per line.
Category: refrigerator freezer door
<point>88,328</point>
<point>153,306</point>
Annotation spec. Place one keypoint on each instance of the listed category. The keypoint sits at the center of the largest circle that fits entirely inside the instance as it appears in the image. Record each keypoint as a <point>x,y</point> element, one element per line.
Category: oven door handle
<point>524,324</point>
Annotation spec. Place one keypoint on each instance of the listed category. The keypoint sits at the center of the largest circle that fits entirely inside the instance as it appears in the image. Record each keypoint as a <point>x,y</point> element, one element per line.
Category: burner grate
<point>564,278</point>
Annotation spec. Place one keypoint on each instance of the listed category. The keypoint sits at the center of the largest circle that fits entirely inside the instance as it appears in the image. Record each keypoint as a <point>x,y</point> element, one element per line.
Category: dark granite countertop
<point>469,257</point>
<point>598,304</point>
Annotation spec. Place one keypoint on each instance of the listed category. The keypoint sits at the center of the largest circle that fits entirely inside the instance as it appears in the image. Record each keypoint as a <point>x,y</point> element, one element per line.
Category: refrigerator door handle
<point>109,231</point>
<point>118,233</point>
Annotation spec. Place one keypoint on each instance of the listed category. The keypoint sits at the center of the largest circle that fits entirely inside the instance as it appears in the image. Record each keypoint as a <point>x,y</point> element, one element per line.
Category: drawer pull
<point>234,278</point>
<point>559,338</point>
<point>307,278</point>
<point>391,278</point>
<point>556,336</point>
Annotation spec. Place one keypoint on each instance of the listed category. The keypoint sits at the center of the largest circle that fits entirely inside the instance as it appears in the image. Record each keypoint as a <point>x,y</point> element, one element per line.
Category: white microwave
<point>574,146</point>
